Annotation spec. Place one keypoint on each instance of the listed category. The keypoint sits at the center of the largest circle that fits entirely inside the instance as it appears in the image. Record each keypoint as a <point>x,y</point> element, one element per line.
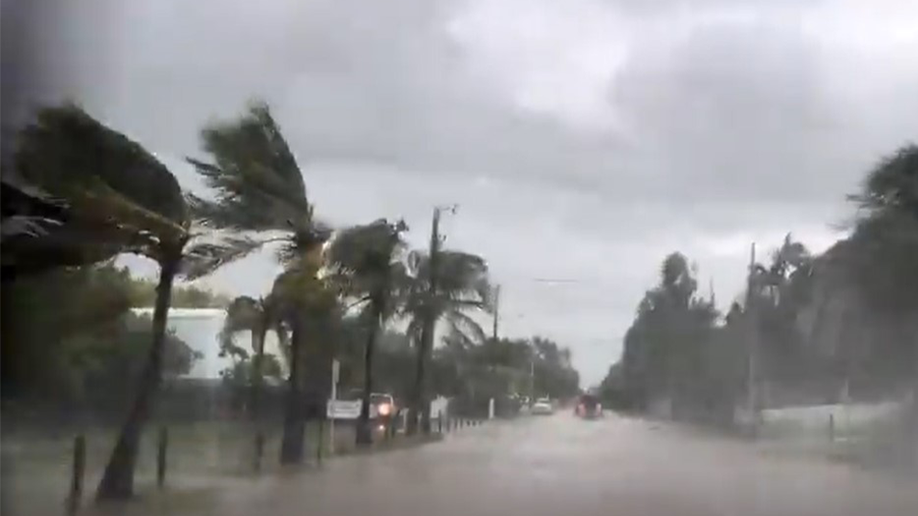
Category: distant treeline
<point>143,294</point>
<point>808,329</point>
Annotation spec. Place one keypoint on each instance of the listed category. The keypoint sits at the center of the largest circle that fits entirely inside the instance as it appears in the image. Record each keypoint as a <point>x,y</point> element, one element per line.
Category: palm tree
<point>364,262</point>
<point>261,199</point>
<point>310,308</point>
<point>256,316</point>
<point>447,286</point>
<point>119,199</point>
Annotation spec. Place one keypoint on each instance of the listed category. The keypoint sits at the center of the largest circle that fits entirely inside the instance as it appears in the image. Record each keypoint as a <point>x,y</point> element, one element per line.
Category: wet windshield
<point>583,257</point>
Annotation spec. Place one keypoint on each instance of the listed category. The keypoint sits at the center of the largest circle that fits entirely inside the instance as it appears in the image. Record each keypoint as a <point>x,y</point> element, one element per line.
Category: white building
<point>200,328</point>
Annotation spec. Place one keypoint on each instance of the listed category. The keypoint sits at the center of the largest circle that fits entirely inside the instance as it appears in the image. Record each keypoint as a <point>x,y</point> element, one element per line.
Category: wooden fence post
<point>319,442</point>
<point>161,457</point>
<point>78,474</point>
<point>259,450</point>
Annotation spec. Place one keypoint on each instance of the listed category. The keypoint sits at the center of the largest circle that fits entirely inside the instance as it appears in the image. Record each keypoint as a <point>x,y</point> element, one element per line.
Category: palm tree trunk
<point>423,363</point>
<point>364,431</point>
<point>411,424</point>
<point>294,422</point>
<point>258,345</point>
<point>420,405</point>
<point>118,479</point>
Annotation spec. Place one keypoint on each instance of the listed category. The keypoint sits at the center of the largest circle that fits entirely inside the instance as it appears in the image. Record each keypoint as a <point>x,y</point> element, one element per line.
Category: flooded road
<point>561,465</point>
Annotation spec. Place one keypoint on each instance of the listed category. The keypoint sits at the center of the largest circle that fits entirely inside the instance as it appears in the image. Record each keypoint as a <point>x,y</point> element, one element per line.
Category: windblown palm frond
<point>27,226</point>
<point>257,181</point>
<point>462,286</point>
<point>259,195</point>
<point>461,324</point>
<point>364,260</point>
<point>205,257</point>
<point>112,188</point>
<point>304,241</point>
<point>28,211</point>
<point>69,153</point>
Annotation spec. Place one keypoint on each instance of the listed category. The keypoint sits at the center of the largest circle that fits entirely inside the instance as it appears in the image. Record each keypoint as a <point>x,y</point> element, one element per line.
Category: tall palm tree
<point>365,263</point>
<point>447,287</point>
<point>261,199</point>
<point>119,199</point>
<point>310,309</point>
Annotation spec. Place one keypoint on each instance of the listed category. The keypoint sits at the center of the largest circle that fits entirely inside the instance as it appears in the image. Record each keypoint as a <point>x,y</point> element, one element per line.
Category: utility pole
<point>753,338</point>
<point>422,405</point>
<point>531,381</point>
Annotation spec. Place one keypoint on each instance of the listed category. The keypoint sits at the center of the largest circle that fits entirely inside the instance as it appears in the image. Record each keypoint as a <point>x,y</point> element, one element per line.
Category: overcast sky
<point>583,139</point>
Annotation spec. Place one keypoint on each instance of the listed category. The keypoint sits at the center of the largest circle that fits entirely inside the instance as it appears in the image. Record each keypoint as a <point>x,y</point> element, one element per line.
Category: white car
<point>543,406</point>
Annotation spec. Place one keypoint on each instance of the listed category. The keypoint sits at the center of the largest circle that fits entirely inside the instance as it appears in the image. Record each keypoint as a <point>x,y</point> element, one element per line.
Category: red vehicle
<point>588,407</point>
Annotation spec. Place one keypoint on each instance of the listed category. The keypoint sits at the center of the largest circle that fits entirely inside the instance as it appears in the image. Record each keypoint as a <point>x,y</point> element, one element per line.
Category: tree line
<point>808,329</point>
<point>71,342</point>
<point>78,193</point>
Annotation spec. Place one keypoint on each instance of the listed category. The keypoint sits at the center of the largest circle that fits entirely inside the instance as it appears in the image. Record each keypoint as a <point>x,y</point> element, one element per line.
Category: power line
<point>561,282</point>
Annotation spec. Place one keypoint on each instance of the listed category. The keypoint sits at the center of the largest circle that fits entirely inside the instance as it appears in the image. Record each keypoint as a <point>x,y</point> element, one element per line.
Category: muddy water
<point>560,465</point>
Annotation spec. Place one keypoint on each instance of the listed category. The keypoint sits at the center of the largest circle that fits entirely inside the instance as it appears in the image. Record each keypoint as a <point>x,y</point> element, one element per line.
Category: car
<point>543,406</point>
<point>588,407</point>
<point>383,405</point>
<point>383,409</point>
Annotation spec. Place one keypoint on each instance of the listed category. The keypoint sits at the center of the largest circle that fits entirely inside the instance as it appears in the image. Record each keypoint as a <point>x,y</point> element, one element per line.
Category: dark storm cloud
<point>584,140</point>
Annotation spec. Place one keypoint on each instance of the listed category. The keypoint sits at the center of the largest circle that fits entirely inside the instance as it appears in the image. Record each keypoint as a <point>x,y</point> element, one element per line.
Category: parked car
<point>588,407</point>
<point>543,406</point>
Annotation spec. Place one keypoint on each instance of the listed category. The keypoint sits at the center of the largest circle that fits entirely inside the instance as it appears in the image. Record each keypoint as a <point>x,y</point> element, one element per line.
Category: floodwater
<point>560,465</point>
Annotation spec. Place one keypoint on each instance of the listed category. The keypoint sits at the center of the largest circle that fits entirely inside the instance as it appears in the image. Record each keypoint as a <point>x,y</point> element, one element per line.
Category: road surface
<point>560,465</point>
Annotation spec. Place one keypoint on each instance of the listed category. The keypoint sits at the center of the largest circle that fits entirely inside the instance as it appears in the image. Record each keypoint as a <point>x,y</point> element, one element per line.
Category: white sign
<point>342,409</point>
